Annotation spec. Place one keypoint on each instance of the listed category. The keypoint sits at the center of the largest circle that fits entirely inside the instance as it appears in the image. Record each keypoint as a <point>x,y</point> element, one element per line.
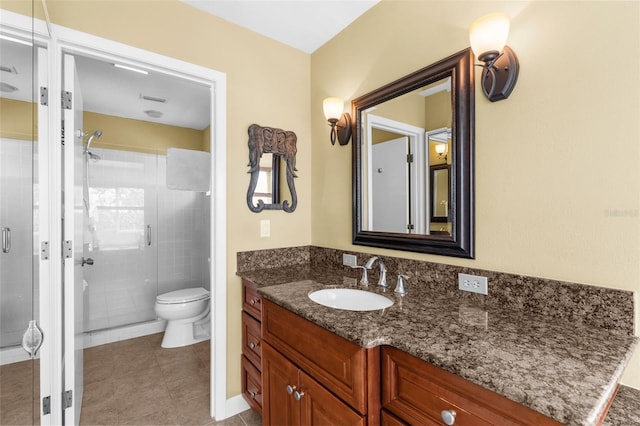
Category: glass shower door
<point>122,283</point>
<point>19,193</point>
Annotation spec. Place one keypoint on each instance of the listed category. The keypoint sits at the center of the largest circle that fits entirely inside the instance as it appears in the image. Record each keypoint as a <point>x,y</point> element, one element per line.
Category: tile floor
<point>132,382</point>
<point>20,393</point>
<point>136,382</point>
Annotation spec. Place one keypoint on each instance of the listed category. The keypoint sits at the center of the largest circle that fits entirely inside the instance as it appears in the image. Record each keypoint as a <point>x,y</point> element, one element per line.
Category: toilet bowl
<point>183,309</point>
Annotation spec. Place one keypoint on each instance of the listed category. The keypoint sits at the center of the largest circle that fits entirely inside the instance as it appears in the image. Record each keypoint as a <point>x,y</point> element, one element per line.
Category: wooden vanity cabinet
<point>417,392</point>
<point>294,398</point>
<point>312,376</point>
<point>251,362</point>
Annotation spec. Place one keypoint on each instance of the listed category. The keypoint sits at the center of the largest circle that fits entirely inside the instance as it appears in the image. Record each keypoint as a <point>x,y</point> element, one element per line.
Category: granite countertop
<point>564,370</point>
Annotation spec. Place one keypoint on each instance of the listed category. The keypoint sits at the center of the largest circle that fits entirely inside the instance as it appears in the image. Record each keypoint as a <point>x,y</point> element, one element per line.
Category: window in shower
<point>118,217</point>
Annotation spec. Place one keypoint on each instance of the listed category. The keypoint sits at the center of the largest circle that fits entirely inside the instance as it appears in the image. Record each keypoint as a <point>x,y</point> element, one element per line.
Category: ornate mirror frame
<point>461,242</point>
<point>282,144</point>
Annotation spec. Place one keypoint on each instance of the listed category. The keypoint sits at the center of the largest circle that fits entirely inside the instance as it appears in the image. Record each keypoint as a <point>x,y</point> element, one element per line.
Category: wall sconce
<point>340,123</point>
<point>441,150</point>
<point>488,36</point>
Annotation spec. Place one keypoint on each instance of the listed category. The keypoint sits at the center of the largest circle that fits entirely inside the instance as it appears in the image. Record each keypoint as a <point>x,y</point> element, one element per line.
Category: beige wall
<point>267,84</point>
<point>137,135</point>
<point>554,162</point>
<point>18,120</point>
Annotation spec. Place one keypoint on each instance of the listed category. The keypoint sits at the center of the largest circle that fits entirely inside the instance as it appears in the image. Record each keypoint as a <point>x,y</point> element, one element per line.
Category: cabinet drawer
<point>418,392</point>
<point>251,385</point>
<point>251,346</point>
<point>388,419</point>
<point>333,361</point>
<point>251,301</point>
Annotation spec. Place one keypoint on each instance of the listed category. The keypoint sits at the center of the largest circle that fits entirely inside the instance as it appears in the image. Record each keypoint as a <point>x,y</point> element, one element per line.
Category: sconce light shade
<point>340,123</point>
<point>488,37</point>
<point>489,33</point>
<point>333,108</point>
<point>440,148</point>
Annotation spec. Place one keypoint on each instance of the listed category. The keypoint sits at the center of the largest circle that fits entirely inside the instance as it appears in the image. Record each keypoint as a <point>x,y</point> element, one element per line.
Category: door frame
<point>60,39</point>
<point>75,42</point>
<point>419,175</point>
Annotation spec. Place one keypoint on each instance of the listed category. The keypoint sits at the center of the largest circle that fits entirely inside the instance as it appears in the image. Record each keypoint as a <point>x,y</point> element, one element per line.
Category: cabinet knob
<point>253,345</point>
<point>290,389</point>
<point>448,417</point>
<point>254,301</point>
<point>298,395</point>
<point>253,394</point>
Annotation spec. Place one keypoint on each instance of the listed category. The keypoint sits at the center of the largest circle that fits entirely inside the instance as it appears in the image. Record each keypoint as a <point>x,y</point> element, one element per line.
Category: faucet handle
<point>365,278</point>
<point>400,284</point>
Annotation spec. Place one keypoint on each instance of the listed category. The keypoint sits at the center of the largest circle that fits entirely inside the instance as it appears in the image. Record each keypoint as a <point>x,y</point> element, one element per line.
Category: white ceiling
<point>303,24</point>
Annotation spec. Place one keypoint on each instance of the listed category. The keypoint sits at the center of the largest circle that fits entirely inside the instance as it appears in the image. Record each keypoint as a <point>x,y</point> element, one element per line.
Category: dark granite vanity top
<point>563,369</point>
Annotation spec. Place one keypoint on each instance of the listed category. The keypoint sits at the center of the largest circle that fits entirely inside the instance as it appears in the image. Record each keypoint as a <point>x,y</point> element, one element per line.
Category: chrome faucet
<point>382,281</point>
<point>365,279</point>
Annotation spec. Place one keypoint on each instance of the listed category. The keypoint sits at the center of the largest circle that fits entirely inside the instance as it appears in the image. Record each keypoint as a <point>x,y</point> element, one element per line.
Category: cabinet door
<point>318,406</point>
<point>278,406</point>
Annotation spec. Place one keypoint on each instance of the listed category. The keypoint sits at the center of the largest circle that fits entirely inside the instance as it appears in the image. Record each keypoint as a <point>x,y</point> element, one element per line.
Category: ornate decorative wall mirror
<point>271,150</point>
<point>413,162</point>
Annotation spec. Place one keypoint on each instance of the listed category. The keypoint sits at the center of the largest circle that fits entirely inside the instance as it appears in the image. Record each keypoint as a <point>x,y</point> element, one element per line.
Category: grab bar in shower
<point>148,235</point>
<point>6,239</point>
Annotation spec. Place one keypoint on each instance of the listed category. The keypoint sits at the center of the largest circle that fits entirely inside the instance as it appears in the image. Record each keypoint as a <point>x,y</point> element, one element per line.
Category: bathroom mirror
<point>271,150</point>
<point>413,161</point>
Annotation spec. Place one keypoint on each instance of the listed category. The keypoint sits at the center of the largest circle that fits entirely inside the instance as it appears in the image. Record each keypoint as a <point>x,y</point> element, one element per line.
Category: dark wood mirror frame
<point>461,241</point>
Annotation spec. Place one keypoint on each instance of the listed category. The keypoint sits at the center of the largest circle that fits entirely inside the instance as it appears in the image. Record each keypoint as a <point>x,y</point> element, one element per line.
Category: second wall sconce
<point>488,37</point>
<point>441,150</point>
<point>340,123</point>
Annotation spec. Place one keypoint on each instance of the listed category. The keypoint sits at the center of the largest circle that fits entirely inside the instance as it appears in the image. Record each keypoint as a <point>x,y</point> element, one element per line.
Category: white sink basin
<point>350,299</point>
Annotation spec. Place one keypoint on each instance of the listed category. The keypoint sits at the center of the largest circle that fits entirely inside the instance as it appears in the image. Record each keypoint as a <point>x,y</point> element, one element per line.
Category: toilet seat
<point>183,296</point>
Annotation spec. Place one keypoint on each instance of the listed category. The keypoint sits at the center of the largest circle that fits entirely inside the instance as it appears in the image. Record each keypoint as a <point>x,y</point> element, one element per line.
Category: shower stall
<point>142,239</point>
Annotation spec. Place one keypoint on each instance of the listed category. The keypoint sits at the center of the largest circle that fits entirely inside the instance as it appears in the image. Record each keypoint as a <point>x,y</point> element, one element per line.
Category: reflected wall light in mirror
<point>488,37</point>
<point>340,122</point>
<point>441,150</point>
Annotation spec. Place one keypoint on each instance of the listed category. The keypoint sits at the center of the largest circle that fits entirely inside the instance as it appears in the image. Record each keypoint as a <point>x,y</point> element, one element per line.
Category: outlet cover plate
<point>473,283</point>
<point>349,260</point>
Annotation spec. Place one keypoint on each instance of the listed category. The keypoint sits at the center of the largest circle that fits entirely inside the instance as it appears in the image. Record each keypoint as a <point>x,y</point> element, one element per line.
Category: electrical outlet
<point>349,260</point>
<point>473,283</point>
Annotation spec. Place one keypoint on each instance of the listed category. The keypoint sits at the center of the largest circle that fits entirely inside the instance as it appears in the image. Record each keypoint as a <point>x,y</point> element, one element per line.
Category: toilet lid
<point>183,296</point>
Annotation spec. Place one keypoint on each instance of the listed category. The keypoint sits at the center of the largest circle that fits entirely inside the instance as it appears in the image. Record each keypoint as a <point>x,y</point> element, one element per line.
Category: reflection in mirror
<point>267,188</point>
<point>413,161</point>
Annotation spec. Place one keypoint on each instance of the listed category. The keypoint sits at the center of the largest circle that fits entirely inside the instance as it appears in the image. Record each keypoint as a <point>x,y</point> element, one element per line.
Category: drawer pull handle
<point>448,417</point>
<point>298,395</point>
<point>254,302</point>
<point>253,345</point>
<point>290,389</point>
<point>253,394</point>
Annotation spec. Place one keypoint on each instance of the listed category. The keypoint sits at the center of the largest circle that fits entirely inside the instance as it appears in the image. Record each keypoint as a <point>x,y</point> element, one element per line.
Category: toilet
<point>185,311</point>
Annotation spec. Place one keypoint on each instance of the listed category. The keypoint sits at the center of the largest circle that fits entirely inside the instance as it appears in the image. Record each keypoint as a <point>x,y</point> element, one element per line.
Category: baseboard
<point>235,405</point>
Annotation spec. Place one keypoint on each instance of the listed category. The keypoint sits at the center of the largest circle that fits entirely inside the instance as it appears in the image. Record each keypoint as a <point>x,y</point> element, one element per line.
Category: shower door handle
<point>6,239</point>
<point>148,235</point>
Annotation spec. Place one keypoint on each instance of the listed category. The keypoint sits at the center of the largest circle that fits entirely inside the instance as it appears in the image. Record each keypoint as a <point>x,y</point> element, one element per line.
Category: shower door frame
<point>68,41</point>
<point>21,26</point>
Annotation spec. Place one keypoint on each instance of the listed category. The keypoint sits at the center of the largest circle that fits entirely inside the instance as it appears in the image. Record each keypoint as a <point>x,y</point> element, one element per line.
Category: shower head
<point>95,134</point>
